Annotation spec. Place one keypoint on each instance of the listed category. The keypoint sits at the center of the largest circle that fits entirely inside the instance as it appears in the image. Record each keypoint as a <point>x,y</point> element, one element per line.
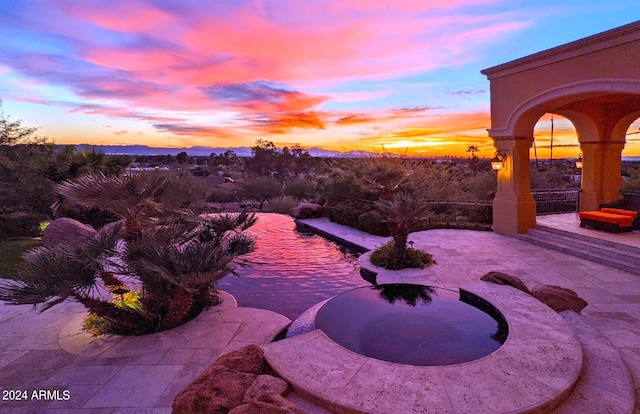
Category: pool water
<point>292,270</point>
<point>411,324</point>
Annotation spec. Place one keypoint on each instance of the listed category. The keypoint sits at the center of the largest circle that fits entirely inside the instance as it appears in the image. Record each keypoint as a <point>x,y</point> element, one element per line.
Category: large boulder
<point>223,385</point>
<point>219,391</point>
<point>249,359</point>
<point>266,384</point>
<point>66,230</point>
<point>268,403</point>
<point>307,210</point>
<point>500,278</point>
<point>114,227</point>
<point>558,298</point>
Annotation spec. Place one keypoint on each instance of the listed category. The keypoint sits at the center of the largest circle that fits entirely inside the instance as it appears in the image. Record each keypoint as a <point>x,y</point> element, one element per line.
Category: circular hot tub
<point>413,324</point>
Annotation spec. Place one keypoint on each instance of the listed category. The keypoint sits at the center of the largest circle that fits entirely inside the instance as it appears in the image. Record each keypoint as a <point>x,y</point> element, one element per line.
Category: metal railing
<point>453,214</point>
<point>556,201</point>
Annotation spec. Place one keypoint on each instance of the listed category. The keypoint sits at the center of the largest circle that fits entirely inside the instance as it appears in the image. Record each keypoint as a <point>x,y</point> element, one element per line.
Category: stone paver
<point>141,374</point>
<point>466,255</point>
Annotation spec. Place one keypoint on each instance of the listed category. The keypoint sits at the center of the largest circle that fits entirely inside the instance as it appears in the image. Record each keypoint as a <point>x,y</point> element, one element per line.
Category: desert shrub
<point>221,195</point>
<point>372,222</point>
<point>183,191</point>
<point>343,185</point>
<point>348,212</point>
<point>481,186</point>
<point>550,178</point>
<point>98,325</point>
<point>261,189</point>
<point>300,188</point>
<point>282,205</point>
<point>385,256</point>
<point>432,181</point>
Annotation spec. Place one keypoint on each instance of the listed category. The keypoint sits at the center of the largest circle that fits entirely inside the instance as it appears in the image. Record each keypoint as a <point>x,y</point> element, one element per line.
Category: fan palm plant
<point>384,175</point>
<point>132,196</point>
<point>172,257</point>
<point>400,211</point>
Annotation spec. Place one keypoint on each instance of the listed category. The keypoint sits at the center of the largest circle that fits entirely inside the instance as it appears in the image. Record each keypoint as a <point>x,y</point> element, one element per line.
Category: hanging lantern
<point>497,162</point>
<point>579,162</point>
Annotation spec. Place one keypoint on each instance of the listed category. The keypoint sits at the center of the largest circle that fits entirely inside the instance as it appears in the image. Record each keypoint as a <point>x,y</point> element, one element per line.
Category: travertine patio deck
<point>571,222</point>
<point>140,374</point>
<point>34,353</point>
<point>465,255</point>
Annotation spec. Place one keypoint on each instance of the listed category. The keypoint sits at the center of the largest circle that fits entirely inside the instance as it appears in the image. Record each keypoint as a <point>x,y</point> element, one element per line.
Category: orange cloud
<point>431,134</point>
<point>240,70</point>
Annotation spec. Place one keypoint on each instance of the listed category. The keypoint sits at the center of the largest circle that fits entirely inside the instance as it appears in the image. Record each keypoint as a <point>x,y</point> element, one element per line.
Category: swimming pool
<point>413,324</point>
<point>292,270</point>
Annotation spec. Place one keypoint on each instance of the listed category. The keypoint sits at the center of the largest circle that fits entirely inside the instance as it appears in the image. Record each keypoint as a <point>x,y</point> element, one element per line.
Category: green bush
<point>360,215</point>
<point>282,205</point>
<point>221,195</point>
<point>372,222</point>
<point>384,257</point>
<point>300,188</point>
<point>348,212</point>
<point>97,325</point>
<point>21,224</point>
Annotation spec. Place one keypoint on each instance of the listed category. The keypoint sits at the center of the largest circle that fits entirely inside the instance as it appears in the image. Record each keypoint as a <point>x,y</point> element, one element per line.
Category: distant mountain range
<point>200,151</point>
<point>239,151</point>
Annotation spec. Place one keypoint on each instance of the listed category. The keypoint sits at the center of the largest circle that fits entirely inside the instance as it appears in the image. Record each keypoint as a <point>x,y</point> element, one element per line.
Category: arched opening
<point>554,138</point>
<point>631,158</point>
<point>594,84</point>
<point>631,149</point>
<point>555,179</point>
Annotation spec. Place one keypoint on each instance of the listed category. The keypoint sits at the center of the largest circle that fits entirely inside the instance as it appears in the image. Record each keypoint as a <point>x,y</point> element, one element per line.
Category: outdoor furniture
<point>626,205</point>
<point>611,222</point>
<point>633,214</point>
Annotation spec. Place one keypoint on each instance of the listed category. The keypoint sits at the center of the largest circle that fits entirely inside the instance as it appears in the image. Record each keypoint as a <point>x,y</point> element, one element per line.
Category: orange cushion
<point>620,211</point>
<point>622,221</point>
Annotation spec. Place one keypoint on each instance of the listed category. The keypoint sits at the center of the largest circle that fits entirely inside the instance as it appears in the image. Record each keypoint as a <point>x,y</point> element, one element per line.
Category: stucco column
<point>591,177</point>
<point>601,176</point>
<point>611,171</point>
<point>514,209</point>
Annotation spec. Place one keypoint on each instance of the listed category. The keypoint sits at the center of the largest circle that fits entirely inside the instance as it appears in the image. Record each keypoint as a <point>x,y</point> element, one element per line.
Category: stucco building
<point>593,82</point>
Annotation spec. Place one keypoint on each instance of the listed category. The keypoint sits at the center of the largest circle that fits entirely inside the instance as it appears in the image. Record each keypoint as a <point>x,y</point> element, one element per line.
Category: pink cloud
<point>127,16</point>
<point>162,63</point>
<point>244,43</point>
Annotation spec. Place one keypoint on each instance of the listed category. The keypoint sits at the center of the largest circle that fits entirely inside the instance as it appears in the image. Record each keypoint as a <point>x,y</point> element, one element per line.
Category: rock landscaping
<point>239,382</point>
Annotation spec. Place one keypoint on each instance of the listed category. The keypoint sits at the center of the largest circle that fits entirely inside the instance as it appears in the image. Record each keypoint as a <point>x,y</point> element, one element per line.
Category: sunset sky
<point>403,75</point>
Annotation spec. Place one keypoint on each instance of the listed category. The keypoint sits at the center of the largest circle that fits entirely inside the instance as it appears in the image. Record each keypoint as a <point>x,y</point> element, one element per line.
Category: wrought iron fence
<point>452,214</point>
<point>556,201</point>
<point>630,193</point>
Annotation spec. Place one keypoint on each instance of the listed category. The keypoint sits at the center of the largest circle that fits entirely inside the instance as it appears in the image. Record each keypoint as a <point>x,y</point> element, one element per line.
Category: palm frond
<point>403,207</point>
<point>49,276</point>
<point>122,195</point>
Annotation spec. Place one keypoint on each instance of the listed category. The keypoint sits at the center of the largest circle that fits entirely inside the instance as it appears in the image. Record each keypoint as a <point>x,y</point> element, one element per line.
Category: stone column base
<point>513,217</point>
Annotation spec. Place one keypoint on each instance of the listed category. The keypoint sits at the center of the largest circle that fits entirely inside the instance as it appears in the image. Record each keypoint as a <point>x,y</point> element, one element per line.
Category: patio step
<point>605,384</point>
<point>618,249</point>
<point>606,252</point>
